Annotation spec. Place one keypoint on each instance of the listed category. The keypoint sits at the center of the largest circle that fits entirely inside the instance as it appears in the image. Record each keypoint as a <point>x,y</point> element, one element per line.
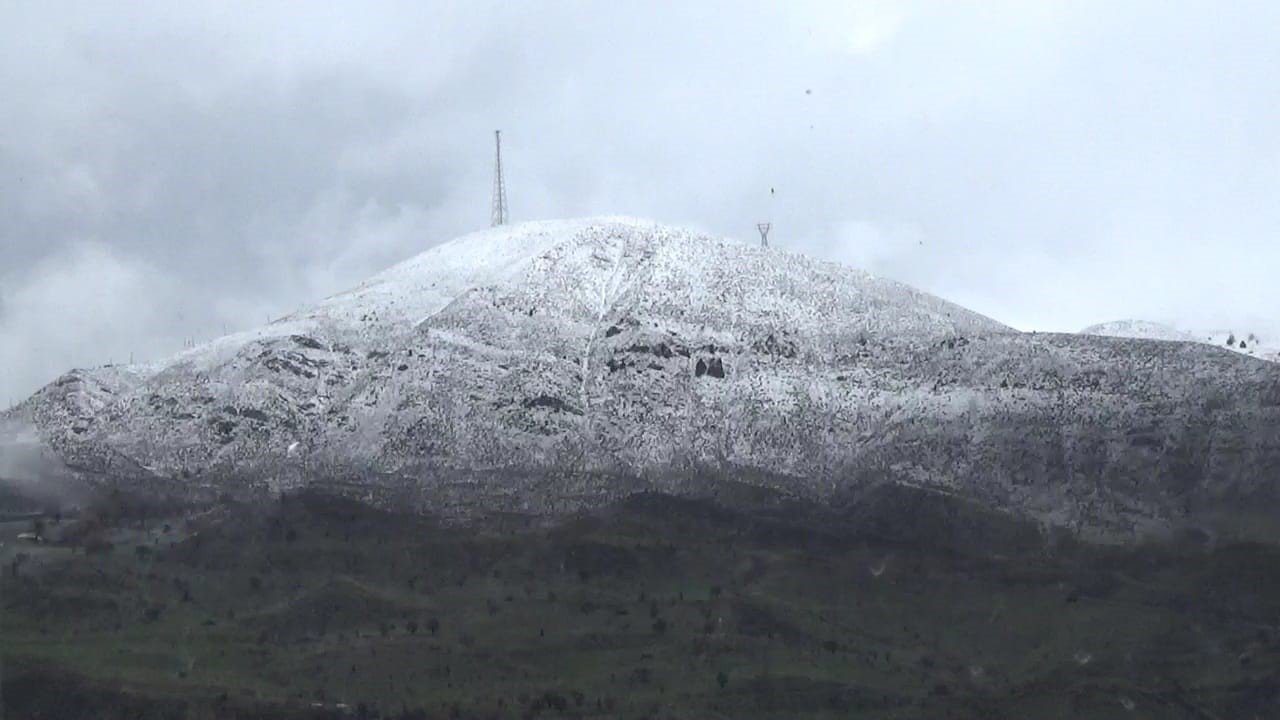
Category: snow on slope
<point>1141,329</point>
<point>578,275</point>
<point>399,298</point>
<point>546,366</point>
<point>392,302</point>
<point>1245,343</point>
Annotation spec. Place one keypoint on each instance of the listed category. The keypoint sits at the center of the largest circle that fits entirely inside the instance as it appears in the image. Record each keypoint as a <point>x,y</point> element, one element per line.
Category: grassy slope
<point>906,606</point>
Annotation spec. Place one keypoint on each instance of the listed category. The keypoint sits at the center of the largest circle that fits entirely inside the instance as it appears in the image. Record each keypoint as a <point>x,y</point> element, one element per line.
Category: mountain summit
<point>1142,329</point>
<point>547,367</point>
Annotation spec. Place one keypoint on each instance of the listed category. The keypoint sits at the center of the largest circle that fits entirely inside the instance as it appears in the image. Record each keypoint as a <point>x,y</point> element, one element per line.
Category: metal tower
<point>764,233</point>
<point>499,187</point>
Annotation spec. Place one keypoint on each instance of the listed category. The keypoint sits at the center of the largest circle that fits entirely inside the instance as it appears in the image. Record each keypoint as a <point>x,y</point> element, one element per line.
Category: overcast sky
<point>169,169</point>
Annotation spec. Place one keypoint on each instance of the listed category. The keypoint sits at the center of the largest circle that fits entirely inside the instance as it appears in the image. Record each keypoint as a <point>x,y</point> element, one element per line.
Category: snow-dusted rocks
<point>551,366</point>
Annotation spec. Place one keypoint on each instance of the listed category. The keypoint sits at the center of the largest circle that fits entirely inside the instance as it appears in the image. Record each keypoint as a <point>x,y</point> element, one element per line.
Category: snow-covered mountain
<point>1245,343</point>
<point>545,367</point>
<point>1143,329</point>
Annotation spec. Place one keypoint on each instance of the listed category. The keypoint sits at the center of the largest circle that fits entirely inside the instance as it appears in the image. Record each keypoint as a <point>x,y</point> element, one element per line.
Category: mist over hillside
<point>29,477</point>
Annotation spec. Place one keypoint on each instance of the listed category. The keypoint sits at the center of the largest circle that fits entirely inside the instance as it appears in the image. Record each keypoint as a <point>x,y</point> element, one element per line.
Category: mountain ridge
<point>1244,343</point>
<point>567,364</point>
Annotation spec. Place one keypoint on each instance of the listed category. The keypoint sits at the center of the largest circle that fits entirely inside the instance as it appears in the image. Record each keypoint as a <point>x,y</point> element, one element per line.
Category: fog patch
<point>30,478</point>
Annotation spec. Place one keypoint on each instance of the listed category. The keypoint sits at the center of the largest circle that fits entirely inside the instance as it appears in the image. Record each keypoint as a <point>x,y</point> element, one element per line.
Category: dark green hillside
<point>901,605</point>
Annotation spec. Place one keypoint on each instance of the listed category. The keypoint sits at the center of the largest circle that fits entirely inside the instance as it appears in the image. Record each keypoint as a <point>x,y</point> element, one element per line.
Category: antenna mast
<point>764,233</point>
<point>499,187</point>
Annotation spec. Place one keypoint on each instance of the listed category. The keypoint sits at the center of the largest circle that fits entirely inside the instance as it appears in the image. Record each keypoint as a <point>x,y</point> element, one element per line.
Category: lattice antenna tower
<point>499,216</point>
<point>764,233</point>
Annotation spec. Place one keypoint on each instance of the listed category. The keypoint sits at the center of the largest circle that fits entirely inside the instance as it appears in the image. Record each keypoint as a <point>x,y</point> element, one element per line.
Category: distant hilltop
<point>1243,342</point>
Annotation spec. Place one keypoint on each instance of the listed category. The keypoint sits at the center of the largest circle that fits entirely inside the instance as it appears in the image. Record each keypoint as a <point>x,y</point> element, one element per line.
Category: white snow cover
<point>1141,329</point>
<point>547,366</point>
<point>393,302</point>
<point>1243,342</point>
